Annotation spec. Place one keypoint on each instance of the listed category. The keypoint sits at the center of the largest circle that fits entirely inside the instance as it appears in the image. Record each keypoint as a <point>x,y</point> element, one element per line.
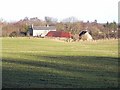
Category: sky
<point>84,10</point>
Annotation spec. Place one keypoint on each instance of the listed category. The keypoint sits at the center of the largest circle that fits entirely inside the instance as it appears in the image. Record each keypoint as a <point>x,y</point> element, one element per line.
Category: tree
<point>1,20</point>
<point>108,29</point>
<point>26,19</point>
<point>50,20</point>
<point>95,21</point>
<point>70,20</point>
<point>113,26</point>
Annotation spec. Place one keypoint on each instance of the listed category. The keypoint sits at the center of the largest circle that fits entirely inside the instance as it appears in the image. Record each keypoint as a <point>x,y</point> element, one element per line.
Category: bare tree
<point>70,20</point>
<point>50,20</point>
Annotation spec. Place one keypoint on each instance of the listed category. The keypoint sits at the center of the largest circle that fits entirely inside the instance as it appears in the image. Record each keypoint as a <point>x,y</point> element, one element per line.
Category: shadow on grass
<point>61,71</point>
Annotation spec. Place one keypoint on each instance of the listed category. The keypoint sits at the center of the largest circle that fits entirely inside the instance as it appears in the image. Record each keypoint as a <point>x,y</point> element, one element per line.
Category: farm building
<point>59,34</point>
<point>84,35</point>
<point>40,30</point>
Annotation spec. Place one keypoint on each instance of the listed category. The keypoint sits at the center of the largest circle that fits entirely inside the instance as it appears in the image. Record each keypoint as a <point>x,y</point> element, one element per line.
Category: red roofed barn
<point>59,34</point>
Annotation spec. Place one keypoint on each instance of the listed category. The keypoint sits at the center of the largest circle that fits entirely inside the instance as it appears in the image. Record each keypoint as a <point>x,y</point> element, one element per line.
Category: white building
<point>84,35</point>
<point>40,30</point>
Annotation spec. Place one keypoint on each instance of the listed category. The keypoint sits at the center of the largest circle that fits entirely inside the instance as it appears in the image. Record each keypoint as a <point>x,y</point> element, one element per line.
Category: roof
<point>43,28</point>
<point>59,34</point>
<point>83,32</point>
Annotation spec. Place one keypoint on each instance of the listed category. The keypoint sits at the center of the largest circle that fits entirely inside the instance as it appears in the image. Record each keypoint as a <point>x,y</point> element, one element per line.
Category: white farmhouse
<point>40,30</point>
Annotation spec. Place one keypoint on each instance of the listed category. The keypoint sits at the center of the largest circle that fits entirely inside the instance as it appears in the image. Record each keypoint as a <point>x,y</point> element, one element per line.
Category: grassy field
<point>40,63</point>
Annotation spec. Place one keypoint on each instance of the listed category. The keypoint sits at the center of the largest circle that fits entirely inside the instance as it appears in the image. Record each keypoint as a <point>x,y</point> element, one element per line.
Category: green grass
<point>40,63</point>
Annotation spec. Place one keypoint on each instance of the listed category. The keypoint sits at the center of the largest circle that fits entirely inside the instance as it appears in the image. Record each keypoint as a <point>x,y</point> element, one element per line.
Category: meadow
<point>48,63</point>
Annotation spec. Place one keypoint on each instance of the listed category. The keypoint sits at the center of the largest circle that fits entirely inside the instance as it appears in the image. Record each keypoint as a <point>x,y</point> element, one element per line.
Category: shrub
<point>13,34</point>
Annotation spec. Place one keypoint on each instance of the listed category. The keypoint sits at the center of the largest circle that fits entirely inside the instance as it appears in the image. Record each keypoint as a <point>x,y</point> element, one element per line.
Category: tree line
<point>73,25</point>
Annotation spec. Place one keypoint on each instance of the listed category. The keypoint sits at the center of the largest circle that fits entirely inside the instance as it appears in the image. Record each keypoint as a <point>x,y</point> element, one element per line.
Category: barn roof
<point>83,32</point>
<point>59,34</point>
<point>43,28</point>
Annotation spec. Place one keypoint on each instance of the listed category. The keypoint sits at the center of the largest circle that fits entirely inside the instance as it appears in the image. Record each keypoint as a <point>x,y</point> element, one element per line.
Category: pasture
<point>47,63</point>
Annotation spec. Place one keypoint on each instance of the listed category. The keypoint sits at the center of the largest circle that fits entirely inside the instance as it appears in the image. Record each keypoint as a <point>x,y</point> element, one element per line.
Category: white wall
<point>41,32</point>
<point>86,36</point>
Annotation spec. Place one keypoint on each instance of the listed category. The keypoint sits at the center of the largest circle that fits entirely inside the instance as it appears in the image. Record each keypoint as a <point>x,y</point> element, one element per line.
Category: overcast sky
<point>101,10</point>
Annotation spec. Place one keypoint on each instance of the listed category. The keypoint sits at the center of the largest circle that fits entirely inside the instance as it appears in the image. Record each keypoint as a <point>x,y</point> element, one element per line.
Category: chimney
<point>47,25</point>
<point>32,26</point>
